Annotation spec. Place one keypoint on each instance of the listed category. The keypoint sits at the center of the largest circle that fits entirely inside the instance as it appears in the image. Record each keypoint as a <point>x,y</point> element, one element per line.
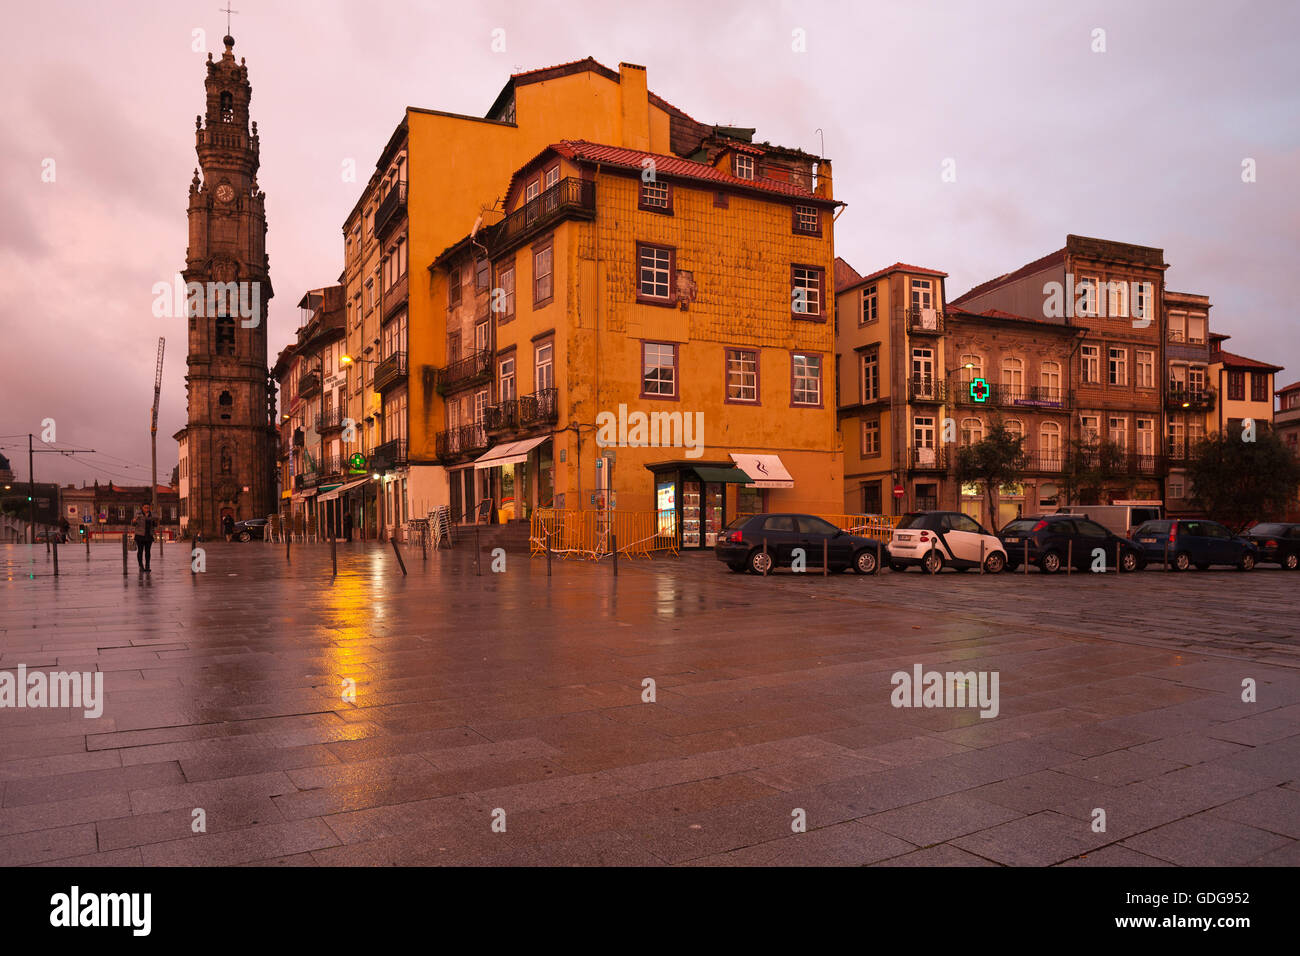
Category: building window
<point>922,294</point>
<point>453,286</point>
<point>658,370</point>
<point>870,305</point>
<point>1196,329</point>
<point>806,379</point>
<point>505,300</point>
<point>871,374</point>
<point>972,367</point>
<point>1145,362</point>
<point>532,190</point>
<point>506,379</point>
<point>972,431</point>
<point>1049,445</point>
<point>1049,377</point>
<point>1087,296</point>
<point>552,176</point>
<point>654,272</point>
<point>807,220</point>
<point>1236,386</point>
<point>806,291</point>
<point>1090,359</point>
<point>543,280</point>
<point>742,375</point>
<point>1118,367</point>
<point>1117,431</point>
<point>482,331</point>
<point>1196,378</point>
<point>744,166</point>
<point>1141,299</point>
<point>1176,486</point>
<point>225,335</point>
<point>1177,440</point>
<point>480,405</point>
<point>1090,428</point>
<point>1117,299</point>
<point>543,367</point>
<point>1258,387</point>
<point>871,498</point>
<point>871,438</point>
<point>1013,377</point>
<point>1146,437</point>
<point>482,269</point>
<point>656,196</point>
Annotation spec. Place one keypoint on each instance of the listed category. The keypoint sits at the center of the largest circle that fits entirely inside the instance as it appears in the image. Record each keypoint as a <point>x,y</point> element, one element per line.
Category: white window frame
<point>1144,366</point>
<point>1090,364</point>
<point>809,360</point>
<point>1117,366</point>
<point>744,166</point>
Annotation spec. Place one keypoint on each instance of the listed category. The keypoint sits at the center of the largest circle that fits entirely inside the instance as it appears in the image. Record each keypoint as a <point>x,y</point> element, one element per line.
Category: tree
<point>1090,465</point>
<point>995,460</point>
<point>1240,477</point>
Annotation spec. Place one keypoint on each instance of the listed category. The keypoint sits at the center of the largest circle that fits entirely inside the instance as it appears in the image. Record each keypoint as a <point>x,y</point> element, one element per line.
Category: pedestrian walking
<point>347,527</point>
<point>143,528</point>
<point>228,526</point>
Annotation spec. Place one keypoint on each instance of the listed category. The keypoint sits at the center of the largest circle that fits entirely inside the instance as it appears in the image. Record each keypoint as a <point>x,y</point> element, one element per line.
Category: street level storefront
<point>520,477</point>
<point>345,511</point>
<point>700,497</point>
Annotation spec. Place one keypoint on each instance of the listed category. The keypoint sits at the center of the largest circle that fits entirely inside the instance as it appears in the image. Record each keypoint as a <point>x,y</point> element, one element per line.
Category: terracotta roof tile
<point>1240,361</point>
<point>845,275</point>
<point>896,267</point>
<point>1028,269</point>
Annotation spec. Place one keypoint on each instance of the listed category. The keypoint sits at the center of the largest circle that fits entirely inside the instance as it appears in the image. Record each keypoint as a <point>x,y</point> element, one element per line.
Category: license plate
<point>1148,540</point>
<point>1013,540</point>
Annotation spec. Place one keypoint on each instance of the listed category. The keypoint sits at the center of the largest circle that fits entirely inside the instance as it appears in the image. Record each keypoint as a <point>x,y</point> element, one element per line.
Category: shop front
<point>517,477</point>
<point>694,494</point>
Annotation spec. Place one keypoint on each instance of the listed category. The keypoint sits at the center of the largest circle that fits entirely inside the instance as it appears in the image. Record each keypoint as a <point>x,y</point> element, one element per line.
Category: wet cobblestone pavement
<point>519,699</point>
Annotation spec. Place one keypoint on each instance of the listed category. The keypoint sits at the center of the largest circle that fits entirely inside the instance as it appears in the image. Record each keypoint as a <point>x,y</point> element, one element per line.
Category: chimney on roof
<point>634,99</point>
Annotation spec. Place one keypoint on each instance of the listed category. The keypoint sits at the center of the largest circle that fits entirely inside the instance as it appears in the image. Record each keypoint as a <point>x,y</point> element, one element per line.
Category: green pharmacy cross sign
<point>357,462</point>
<point>979,390</point>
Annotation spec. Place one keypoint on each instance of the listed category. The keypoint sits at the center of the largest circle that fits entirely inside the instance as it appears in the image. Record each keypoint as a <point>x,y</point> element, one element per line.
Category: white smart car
<point>938,539</point>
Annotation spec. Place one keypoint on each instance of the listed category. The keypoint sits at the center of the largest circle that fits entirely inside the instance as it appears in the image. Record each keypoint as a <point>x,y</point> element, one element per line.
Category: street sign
<point>898,491</point>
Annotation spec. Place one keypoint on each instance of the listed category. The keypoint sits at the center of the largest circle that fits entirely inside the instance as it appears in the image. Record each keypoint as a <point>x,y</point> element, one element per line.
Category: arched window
<point>1049,446</point>
<point>227,461</point>
<point>227,108</point>
<point>225,335</point>
<point>1015,426</point>
<point>1050,378</point>
<point>975,369</point>
<point>1013,374</point>
<point>972,431</point>
<point>225,402</point>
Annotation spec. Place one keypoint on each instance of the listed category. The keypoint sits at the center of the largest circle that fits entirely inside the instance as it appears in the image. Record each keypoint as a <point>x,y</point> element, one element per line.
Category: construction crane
<point>153,426</point>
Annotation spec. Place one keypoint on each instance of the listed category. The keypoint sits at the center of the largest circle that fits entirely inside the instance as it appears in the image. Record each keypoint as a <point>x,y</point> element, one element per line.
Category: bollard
<point>1166,554</point>
<point>1118,569</point>
<point>1069,557</point>
<point>194,543</point>
<point>981,555</point>
<point>765,553</point>
<point>877,557</point>
<point>1026,556</point>
<point>399,555</point>
<point>547,539</point>
<point>287,538</point>
<point>424,547</point>
<point>56,559</point>
<point>825,557</point>
<point>478,553</point>
<point>334,555</point>
<point>123,554</point>
<point>613,539</point>
<point>87,547</point>
<point>47,544</point>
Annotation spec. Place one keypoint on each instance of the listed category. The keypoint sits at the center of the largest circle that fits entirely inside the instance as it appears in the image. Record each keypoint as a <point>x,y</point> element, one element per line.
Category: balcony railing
<point>331,420</point>
<point>393,204</point>
<point>464,440</point>
<point>309,384</point>
<point>926,388</point>
<point>570,195</point>
<point>1028,396</point>
<point>471,370</point>
<point>390,371</point>
<point>527,411</point>
<point>1050,462</point>
<point>391,454</point>
<point>928,321</point>
<point>503,416</point>
<point>322,469</point>
<point>927,459</point>
<point>1179,397</point>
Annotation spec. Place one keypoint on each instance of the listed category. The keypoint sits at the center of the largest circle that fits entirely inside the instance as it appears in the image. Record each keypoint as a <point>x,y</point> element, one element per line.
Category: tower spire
<point>230,40</point>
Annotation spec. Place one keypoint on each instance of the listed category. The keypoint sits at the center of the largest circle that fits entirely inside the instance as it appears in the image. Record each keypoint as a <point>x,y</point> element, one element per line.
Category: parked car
<point>1194,542</point>
<point>935,539</point>
<point>250,529</point>
<point>1278,543</point>
<point>57,537</point>
<point>1053,541</point>
<point>741,544</point>
<point>1121,518</point>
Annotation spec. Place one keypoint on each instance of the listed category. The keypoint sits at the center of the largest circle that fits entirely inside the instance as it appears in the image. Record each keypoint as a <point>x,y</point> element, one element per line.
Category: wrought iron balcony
<point>567,197</point>
<point>1050,462</point>
<point>390,371</point>
<point>391,208</point>
<point>457,442</point>
<point>331,420</point>
<point>1180,397</point>
<point>540,408</point>
<point>322,469</point>
<point>1028,396</point>
<point>473,369</point>
<point>926,388</point>
<point>503,416</point>
<point>309,384</point>
<point>391,454</point>
<point>924,321</point>
<point>927,459</point>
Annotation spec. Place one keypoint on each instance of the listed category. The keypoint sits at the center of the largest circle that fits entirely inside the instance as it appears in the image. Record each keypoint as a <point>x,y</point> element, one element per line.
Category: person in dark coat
<point>143,527</point>
<point>228,526</point>
<point>347,526</point>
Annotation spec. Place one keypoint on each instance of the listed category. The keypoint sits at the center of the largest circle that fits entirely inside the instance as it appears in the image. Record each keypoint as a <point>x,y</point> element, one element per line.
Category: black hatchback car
<point>759,543</point>
<point>250,529</point>
<point>1194,542</point>
<point>1278,543</point>
<point>1053,541</point>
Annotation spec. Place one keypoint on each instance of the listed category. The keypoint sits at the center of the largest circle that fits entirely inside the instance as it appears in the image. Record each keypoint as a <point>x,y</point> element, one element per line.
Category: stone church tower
<point>227,449</point>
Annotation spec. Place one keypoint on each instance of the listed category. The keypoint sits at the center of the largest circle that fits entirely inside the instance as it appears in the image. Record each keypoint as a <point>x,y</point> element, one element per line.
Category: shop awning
<point>331,495</point>
<point>732,476</point>
<point>765,470</point>
<point>309,493</point>
<point>511,453</point>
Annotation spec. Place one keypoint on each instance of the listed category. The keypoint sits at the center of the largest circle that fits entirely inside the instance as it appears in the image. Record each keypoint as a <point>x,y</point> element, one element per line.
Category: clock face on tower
<point>225,192</point>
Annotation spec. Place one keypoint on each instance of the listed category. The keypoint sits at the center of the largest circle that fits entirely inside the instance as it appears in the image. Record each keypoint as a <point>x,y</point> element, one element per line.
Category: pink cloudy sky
<point>1142,143</point>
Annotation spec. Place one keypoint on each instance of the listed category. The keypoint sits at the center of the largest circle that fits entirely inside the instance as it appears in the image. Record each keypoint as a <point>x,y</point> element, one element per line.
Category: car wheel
<point>995,563</point>
<point>245,536</point>
<point>933,562</point>
<point>1202,566</point>
<point>896,566</point>
<point>737,566</point>
<point>760,562</point>
<point>1291,561</point>
<point>1128,561</point>
<point>1050,563</point>
<point>1247,562</point>
<point>864,562</point>
<point>1181,561</point>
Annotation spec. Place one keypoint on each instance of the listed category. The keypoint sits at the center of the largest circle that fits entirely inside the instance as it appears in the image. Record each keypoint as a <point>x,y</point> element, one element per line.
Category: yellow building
<point>663,317</point>
<point>441,173</point>
<point>893,388</point>
<point>1245,386</point>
